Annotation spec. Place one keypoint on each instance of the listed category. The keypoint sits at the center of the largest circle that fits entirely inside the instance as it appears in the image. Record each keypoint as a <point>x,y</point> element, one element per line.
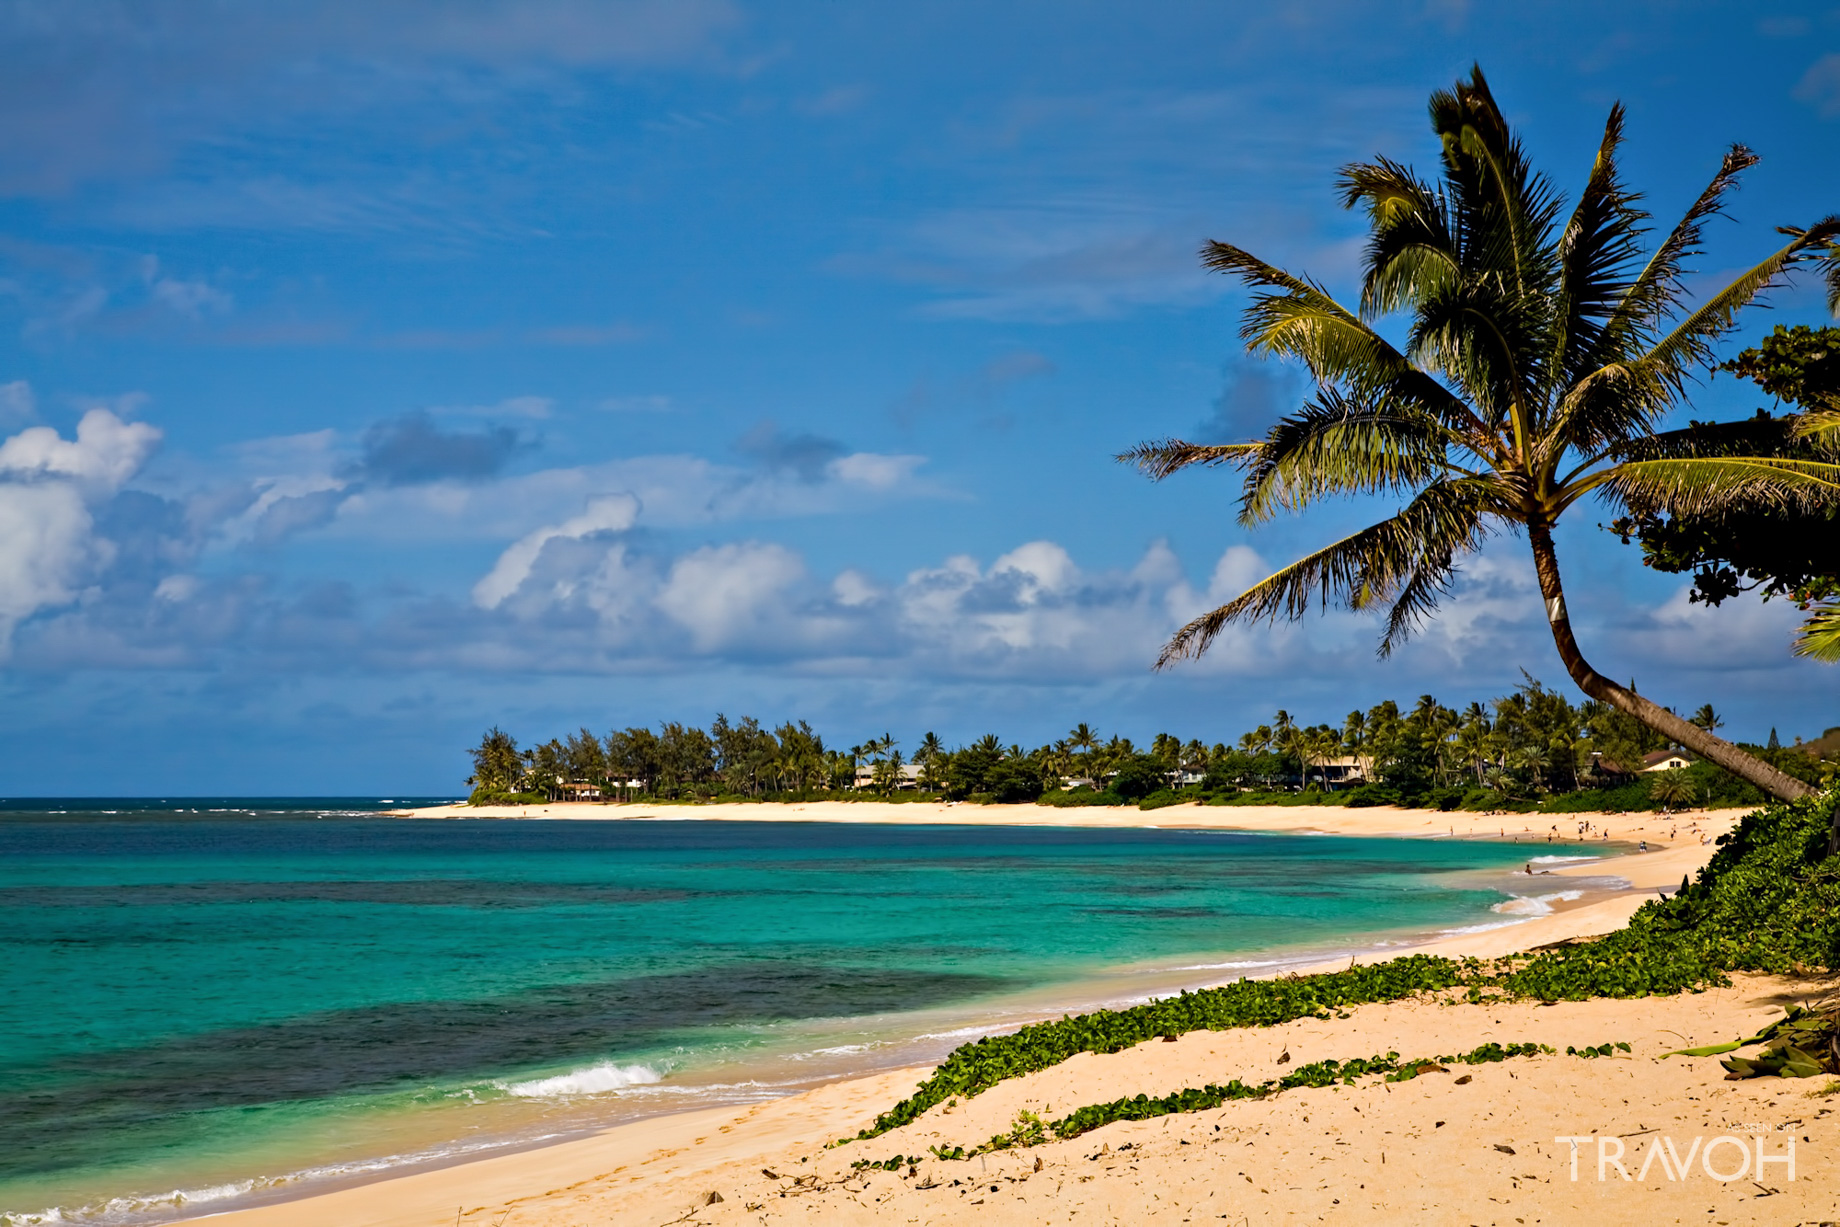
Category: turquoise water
<point>201,1009</point>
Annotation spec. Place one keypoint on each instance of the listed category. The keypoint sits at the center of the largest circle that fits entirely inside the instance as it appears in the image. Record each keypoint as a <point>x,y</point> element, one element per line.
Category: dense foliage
<point>1781,551</point>
<point>1527,748</point>
<point>1768,901</point>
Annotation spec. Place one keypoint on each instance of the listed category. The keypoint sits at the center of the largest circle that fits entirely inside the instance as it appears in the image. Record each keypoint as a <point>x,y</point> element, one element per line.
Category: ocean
<point>214,1002</point>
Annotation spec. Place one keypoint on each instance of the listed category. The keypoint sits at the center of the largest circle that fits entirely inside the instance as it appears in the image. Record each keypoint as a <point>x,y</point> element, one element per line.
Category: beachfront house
<point>1665,760</point>
<point>581,790</point>
<point>1342,772</point>
<point>1606,771</point>
<point>909,775</point>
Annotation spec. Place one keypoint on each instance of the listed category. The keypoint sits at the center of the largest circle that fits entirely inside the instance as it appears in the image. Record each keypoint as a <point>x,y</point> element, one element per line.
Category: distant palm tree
<point>1542,351</point>
<point>1706,718</point>
<point>1671,788</point>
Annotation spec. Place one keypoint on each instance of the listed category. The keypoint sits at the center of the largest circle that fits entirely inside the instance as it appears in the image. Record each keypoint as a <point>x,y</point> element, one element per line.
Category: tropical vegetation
<point>1780,551</point>
<point>1543,350</point>
<point>1530,748</point>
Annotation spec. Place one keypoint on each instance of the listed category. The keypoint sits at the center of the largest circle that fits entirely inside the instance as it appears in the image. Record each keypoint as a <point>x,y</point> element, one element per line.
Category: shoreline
<point>1384,821</point>
<point>504,1180</point>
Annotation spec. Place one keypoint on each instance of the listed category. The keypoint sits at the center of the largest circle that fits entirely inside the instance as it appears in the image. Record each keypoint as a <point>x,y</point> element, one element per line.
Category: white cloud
<point>604,514</point>
<point>106,452</point>
<point>48,547</point>
<point>190,297</point>
<point>720,591</point>
<point>874,471</point>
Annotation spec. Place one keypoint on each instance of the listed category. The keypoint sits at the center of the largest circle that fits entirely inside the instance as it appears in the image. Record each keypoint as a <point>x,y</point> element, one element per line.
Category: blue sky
<point>374,373</point>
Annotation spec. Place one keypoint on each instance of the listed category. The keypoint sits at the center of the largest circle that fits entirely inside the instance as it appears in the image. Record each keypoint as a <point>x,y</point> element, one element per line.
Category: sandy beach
<point>1476,1145</point>
<point>1435,1149</point>
<point>1384,820</point>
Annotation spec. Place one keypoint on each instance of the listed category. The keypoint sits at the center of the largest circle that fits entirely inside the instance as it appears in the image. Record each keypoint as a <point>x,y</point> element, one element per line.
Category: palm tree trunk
<point>1714,749</point>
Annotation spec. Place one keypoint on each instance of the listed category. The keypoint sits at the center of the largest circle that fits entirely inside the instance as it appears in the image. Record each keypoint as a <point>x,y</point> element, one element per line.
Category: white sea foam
<point>1535,905</point>
<point>963,1032</point>
<point>595,1079</point>
<point>1239,963</point>
<point>1556,860</point>
<point>128,1209</point>
<point>160,1207</point>
<point>1465,930</point>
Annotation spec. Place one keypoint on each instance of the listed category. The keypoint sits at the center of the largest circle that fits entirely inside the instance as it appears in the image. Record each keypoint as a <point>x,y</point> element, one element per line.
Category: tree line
<point>1528,744</point>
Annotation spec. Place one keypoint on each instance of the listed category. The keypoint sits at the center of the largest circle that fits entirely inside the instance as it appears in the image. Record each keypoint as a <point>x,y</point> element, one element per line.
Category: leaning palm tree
<point>1542,350</point>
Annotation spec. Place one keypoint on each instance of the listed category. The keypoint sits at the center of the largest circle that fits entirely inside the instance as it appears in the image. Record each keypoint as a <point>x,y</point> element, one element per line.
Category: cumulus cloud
<point>609,513</point>
<point>720,591</point>
<point>48,486</point>
<point>1033,612</point>
<point>106,452</point>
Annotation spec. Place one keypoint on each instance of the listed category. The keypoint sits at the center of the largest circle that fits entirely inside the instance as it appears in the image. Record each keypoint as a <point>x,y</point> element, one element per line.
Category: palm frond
<point>1338,347</point>
<point>1304,321</point>
<point>1477,340</point>
<point>1697,487</point>
<point>1158,458</point>
<point>1820,637</point>
<point>1689,344</point>
<point>1659,290</point>
<point>1418,599</point>
<point>1360,570</point>
<point>1412,252</point>
<point>1336,445</point>
<point>1830,270</point>
<point>1596,248</point>
<point>1504,208</point>
<point>1608,408</point>
<point>1758,435</point>
<point>1821,427</point>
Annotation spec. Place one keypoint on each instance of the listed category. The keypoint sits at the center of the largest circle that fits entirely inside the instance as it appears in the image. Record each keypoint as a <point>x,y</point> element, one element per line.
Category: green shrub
<point>1769,900</point>
<point>1080,797</point>
<point>493,796</point>
<point>1618,800</point>
<point>1137,777</point>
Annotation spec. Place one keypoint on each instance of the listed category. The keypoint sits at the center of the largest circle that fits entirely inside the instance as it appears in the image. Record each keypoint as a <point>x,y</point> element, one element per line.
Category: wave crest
<point>596,1079</point>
